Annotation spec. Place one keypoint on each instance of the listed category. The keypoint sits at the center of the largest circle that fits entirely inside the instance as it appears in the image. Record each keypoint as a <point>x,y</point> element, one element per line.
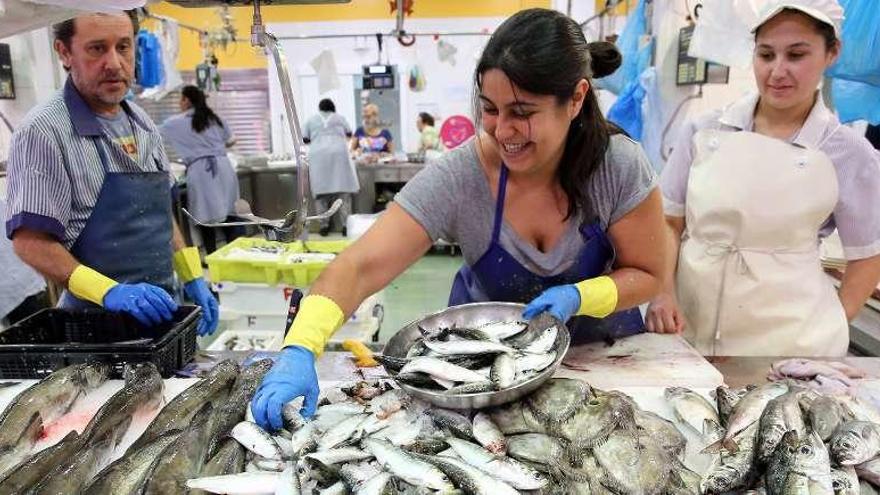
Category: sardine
<point>488,434</point>
<point>237,484</point>
<point>406,465</point>
<point>22,422</point>
<point>438,368</point>
<point>501,330</point>
<point>472,388</point>
<point>458,424</point>
<point>533,363</point>
<point>468,347</point>
<point>471,479</point>
<point>341,432</point>
<point>256,440</point>
<point>503,371</point>
<point>288,482</point>
<point>390,363</point>
<point>508,470</point>
<point>545,341</point>
<point>336,456</point>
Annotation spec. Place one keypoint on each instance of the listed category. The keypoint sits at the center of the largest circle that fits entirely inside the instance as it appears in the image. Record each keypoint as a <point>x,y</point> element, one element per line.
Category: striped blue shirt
<point>54,169</point>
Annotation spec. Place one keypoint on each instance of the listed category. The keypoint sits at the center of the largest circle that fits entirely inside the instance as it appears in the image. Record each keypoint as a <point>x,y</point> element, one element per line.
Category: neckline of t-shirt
<point>531,250</point>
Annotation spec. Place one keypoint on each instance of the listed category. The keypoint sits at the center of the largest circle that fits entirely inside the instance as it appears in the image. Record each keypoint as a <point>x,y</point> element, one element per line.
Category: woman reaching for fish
<point>551,205</point>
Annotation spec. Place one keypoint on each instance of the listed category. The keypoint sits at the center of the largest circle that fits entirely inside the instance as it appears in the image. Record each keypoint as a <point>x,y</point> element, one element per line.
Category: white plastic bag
<point>723,32</point>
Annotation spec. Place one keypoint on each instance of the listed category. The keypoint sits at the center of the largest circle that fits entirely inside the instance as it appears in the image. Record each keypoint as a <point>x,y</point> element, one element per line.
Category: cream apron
<point>749,277</point>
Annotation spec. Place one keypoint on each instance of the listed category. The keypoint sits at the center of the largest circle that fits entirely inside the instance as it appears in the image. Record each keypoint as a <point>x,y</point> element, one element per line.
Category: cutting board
<point>643,360</point>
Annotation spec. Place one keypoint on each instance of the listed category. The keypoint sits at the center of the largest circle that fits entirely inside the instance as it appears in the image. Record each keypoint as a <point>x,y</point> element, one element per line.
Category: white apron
<point>749,277</point>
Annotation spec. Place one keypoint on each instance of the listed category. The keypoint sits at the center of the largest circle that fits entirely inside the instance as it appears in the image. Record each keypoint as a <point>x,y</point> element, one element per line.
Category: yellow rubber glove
<point>89,285</point>
<point>598,296</point>
<point>362,354</point>
<point>318,318</point>
<point>187,264</point>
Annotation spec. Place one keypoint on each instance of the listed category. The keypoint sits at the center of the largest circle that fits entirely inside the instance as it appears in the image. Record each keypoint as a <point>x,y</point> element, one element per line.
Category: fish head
<point>811,454</point>
<point>94,374</point>
<point>712,430</point>
<point>135,372</point>
<point>850,446</point>
<point>718,481</point>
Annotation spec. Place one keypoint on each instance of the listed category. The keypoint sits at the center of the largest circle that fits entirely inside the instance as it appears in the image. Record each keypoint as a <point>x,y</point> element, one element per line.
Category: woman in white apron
<point>331,172</point>
<point>750,190</point>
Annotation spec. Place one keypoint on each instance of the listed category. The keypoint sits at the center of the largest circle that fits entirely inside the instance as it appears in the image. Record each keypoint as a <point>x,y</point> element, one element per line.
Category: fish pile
<point>781,438</point>
<point>188,437</point>
<point>566,438</point>
<point>490,357</point>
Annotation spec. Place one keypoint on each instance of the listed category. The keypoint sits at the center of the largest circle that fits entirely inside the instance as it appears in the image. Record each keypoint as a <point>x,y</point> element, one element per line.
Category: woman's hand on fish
<point>292,376</point>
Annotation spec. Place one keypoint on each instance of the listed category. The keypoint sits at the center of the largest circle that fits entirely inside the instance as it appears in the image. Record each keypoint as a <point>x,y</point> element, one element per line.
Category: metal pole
<point>259,37</point>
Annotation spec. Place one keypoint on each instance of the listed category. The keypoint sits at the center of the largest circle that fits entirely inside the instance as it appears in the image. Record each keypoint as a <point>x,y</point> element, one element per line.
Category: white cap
<point>828,11</point>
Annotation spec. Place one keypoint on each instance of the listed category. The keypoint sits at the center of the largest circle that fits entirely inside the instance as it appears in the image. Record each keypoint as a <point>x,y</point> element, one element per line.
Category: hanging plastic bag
<point>628,44</point>
<point>627,110</point>
<point>856,101</point>
<point>722,33</point>
<point>416,79</point>
<point>859,59</point>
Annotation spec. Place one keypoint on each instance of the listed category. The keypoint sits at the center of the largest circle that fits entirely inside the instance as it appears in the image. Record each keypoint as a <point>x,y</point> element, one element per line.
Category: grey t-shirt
<point>452,200</point>
<point>120,131</point>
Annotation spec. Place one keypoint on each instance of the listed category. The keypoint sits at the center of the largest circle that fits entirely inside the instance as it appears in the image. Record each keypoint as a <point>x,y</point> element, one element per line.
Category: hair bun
<point>606,58</point>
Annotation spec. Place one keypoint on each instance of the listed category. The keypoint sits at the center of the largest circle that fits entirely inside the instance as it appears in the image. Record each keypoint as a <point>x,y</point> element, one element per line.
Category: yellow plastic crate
<point>224,269</point>
<point>301,273</point>
<point>334,247</point>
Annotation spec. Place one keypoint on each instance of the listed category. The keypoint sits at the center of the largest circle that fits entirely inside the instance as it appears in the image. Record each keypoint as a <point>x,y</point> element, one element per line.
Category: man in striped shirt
<point>89,202</point>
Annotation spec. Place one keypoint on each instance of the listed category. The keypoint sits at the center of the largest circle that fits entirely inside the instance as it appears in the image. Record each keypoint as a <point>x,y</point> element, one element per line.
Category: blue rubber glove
<point>197,290</point>
<point>149,304</point>
<point>292,376</point>
<point>561,301</point>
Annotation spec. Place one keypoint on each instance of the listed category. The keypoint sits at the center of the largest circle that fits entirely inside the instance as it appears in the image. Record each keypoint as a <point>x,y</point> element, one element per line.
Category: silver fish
<point>869,471</point>
<point>303,440</point>
<point>465,347</point>
<point>377,485</point>
<point>855,442</point>
<point>438,368</point>
<point>734,470</point>
<point>558,400</point>
<point>488,435</point>
<point>747,412</point>
<point>529,363</point>
<point>503,371</point>
<point>237,484</point>
<point>471,479</point>
<point>500,330</point>
<point>844,480</point>
<point>406,465</point>
<point>182,459</point>
<point>336,456</point>
<point>256,440</point>
<point>799,466</point>
<point>472,388</point>
<point>288,482</point>
<point>690,408</point>
<point>510,471</point>
<point>725,400</point>
<point>458,424</point>
<point>544,342</point>
<point>662,431</point>
<point>782,414</point>
<point>595,420</point>
<point>341,432</point>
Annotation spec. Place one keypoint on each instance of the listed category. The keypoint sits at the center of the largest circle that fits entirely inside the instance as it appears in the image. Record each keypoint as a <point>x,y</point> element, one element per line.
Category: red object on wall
<point>456,130</point>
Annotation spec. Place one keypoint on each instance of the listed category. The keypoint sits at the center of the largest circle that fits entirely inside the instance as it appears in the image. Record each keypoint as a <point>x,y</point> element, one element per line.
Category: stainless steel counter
<point>393,175</point>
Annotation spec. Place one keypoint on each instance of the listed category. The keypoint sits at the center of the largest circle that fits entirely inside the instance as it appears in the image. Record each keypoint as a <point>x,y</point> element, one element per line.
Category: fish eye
<point>806,450</point>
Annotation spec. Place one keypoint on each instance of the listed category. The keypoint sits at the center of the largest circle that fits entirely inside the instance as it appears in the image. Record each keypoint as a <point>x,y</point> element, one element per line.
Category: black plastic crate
<point>54,338</point>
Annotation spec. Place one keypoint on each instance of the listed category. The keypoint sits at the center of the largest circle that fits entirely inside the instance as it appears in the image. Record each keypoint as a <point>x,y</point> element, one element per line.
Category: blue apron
<point>498,276</point>
<point>128,234</point>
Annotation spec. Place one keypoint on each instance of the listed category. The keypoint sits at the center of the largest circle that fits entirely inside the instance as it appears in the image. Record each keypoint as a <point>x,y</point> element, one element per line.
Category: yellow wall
<point>242,56</point>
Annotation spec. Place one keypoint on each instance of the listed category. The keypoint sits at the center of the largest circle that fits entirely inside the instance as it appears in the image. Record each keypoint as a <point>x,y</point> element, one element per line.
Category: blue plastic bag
<point>628,44</point>
<point>860,58</point>
<point>856,101</point>
<point>627,110</point>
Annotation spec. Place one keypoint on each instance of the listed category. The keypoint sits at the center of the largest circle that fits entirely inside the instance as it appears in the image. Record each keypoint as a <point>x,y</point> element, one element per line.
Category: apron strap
<point>499,204</point>
<point>210,166</point>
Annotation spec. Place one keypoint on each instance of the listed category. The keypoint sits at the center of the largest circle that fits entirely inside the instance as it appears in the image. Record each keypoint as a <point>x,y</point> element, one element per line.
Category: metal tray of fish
<point>473,315</point>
